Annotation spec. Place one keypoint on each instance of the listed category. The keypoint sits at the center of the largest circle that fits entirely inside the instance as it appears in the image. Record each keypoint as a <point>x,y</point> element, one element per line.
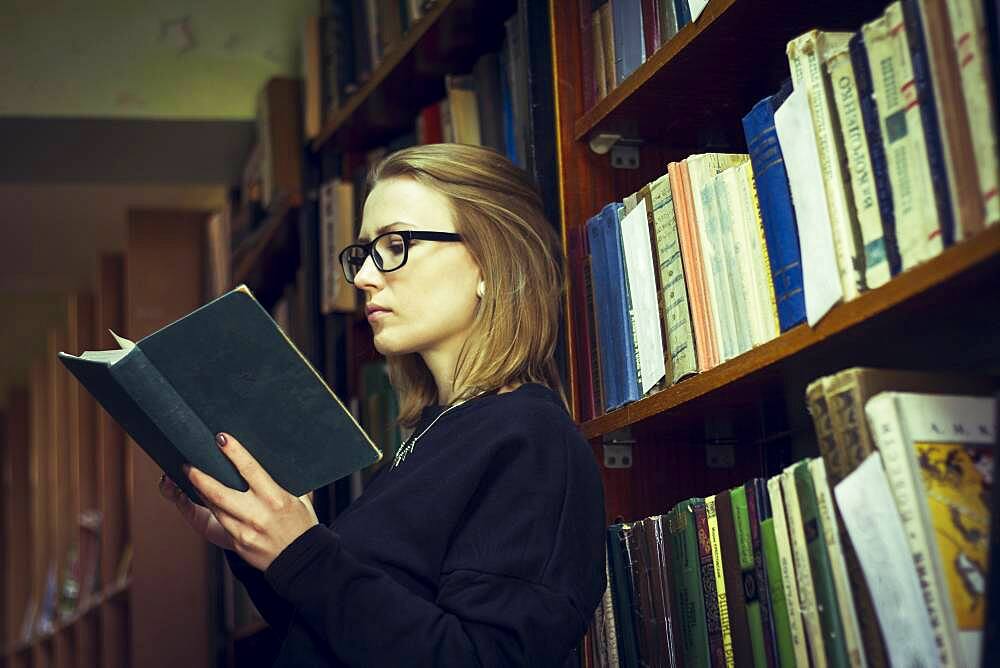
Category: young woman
<point>482,541</point>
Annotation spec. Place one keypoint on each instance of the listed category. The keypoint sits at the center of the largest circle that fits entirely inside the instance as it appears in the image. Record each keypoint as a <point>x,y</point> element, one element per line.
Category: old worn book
<point>938,455</point>
<point>226,366</point>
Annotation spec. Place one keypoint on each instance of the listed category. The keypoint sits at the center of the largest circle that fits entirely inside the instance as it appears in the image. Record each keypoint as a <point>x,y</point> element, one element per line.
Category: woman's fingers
<point>197,517</point>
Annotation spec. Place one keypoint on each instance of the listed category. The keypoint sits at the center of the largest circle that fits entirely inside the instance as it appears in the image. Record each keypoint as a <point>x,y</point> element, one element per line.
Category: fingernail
<point>220,438</point>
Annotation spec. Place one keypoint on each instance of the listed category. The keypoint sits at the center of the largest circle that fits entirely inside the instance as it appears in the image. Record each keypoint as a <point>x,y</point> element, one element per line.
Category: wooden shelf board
<point>911,284</point>
<point>697,87</point>
<point>249,253</point>
<point>446,40</point>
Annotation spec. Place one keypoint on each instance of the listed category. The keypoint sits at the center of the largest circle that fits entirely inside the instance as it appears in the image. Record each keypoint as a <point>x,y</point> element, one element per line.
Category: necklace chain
<point>407,447</point>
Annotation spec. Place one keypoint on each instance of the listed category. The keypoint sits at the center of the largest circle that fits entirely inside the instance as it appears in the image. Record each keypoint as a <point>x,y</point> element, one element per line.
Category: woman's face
<point>430,302</point>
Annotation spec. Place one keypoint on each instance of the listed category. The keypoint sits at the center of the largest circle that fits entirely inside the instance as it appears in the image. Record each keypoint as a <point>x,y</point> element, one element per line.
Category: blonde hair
<point>499,214</point>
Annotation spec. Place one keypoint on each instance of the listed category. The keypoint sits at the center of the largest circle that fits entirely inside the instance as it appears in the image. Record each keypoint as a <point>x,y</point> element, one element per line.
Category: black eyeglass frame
<point>407,235</point>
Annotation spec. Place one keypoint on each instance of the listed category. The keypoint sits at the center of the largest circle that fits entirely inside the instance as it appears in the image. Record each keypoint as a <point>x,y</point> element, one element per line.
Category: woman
<point>481,542</point>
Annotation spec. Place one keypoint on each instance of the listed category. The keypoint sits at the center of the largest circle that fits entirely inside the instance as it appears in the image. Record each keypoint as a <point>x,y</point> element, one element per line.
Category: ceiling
<point>111,105</point>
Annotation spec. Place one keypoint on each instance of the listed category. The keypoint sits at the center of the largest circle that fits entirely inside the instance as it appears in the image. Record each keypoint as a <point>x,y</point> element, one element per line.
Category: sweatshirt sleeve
<point>275,610</point>
<point>500,601</point>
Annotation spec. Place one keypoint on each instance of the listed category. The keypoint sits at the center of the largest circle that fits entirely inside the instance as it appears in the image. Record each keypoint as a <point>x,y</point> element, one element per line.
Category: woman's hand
<point>259,523</point>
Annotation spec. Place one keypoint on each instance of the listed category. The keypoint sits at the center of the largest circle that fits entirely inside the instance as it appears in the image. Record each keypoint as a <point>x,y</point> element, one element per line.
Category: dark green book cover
<point>226,366</point>
<point>689,600</point>
<point>621,596</point>
<point>819,563</point>
<point>784,647</point>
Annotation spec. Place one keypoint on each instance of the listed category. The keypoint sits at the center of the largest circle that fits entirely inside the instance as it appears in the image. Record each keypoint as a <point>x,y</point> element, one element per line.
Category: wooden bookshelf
<point>269,255</point>
<point>690,97</point>
<point>969,264</point>
<point>446,40</point>
<point>697,87</point>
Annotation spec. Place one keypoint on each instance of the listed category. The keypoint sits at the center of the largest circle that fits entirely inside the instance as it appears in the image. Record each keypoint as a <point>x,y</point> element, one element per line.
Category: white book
<point>803,570</point>
<point>806,54</point>
<point>639,270</point>
<point>968,30</point>
<point>761,260</point>
<point>841,581</point>
<point>918,233</point>
<point>859,165</point>
<point>734,302</point>
<point>938,455</point>
<point>789,582</point>
<point>877,536</point>
<point>820,275</point>
<point>702,168</point>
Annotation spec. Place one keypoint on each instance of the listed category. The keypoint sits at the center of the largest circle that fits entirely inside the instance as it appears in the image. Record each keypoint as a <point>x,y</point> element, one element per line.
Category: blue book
<point>630,49</point>
<point>929,117</point>
<point>876,150</point>
<point>616,260</point>
<point>683,11</point>
<point>606,326</point>
<point>507,108</point>
<point>776,211</point>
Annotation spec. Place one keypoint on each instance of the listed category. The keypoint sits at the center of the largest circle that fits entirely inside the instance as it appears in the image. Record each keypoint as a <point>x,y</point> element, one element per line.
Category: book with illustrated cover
<point>226,366</point>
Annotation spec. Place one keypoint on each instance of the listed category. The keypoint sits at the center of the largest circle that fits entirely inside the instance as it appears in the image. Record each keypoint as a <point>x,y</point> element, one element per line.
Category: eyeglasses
<point>389,250</point>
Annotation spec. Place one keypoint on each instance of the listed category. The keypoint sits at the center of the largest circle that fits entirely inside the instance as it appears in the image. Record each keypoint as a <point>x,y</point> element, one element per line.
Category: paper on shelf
<point>639,271</point>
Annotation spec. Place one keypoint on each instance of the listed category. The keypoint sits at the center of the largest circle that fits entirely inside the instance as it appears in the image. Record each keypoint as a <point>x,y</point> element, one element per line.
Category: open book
<point>226,366</point>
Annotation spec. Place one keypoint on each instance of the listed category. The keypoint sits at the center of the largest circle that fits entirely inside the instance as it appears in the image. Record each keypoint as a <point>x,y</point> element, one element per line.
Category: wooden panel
<point>38,493</point>
<point>86,406</point>
<point>165,279</point>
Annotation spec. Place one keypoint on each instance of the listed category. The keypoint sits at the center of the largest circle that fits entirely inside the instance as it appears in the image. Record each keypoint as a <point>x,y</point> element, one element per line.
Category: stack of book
<point>877,153</point>
<point>873,554</point>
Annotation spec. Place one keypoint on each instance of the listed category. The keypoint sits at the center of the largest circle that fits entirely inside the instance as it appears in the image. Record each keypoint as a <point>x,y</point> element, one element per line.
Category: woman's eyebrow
<point>385,228</point>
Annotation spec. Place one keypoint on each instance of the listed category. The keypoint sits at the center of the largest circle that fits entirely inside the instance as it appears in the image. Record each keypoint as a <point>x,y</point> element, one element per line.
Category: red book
<point>650,27</point>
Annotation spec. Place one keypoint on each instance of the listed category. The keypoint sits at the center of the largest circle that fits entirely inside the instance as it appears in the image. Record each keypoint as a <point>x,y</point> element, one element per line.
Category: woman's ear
<point>481,289</point>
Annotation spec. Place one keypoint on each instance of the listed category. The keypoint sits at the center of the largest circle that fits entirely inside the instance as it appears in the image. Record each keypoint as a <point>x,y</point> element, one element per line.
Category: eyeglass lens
<point>389,253</point>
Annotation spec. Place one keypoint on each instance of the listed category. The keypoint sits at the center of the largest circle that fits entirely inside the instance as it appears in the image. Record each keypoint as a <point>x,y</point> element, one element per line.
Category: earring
<point>481,289</point>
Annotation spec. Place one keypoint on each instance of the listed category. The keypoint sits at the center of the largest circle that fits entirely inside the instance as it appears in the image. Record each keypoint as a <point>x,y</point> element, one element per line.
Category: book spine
<point>621,594</point>
<point>967,31</point>
<point>631,373</point>
<point>587,55</point>
<point>609,329</point>
<point>596,373</point>
<point>739,629</point>
<point>760,258</point>
<point>929,119</point>
<point>683,12</point>
<point>725,621</point>
<point>650,27</point>
<point>776,212</point>
<point>883,415</point>
<point>643,615</point>
<point>786,567</point>
<point>758,509</point>
<point>689,601</point>
<point>819,409</point>
<point>630,50</point>
<point>827,607</point>
<point>876,149</point>
<point>805,55</point>
<point>677,314</point>
<point>686,238</point>
<point>918,233</point>
<point>714,268</point>
<point>738,296</point>
<point>838,567</point>
<point>662,585</point>
<point>645,195</point>
<point>709,588</point>
<point>803,569</point>
<point>753,595</point>
<point>784,649</point>
<point>845,94</point>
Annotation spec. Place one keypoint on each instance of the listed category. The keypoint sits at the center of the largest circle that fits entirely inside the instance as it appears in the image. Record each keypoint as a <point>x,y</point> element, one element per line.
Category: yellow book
<point>720,580</point>
<point>938,456</point>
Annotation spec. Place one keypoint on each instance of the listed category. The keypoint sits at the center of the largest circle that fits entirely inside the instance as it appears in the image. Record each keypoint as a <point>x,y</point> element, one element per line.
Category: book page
<point>876,531</point>
<point>820,276</point>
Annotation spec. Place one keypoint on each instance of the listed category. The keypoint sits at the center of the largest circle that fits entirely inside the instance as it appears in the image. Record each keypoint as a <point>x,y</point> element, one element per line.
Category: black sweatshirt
<point>484,547</point>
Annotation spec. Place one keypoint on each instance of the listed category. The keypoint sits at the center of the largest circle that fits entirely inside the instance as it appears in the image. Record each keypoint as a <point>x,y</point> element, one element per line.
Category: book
<point>226,366</point>
<point>776,212</point>
<point>789,578</point>
<point>719,570</point>
<point>688,599</point>
<point>714,617</point>
<point>750,592</point>
<point>622,596</point>
<point>806,55</point>
<point>676,314</point>
<point>843,83</point>
<point>938,457</point>
<point>876,532</point>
